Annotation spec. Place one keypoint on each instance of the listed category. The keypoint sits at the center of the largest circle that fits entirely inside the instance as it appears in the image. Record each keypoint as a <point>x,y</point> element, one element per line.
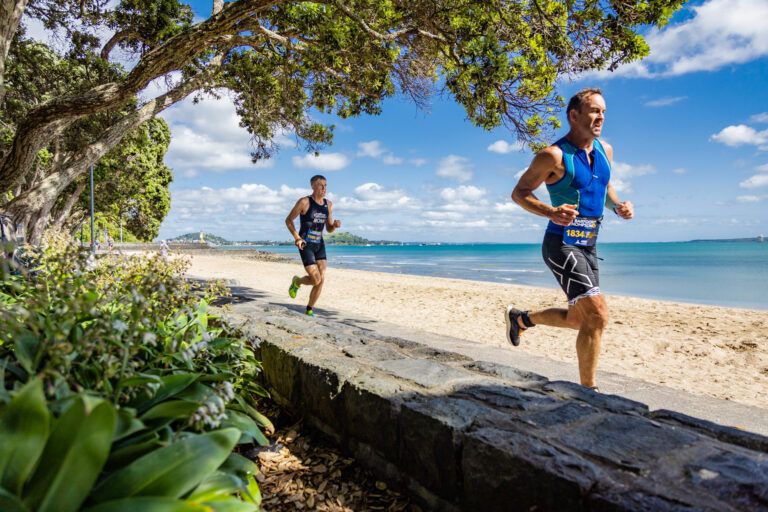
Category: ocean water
<point>719,273</point>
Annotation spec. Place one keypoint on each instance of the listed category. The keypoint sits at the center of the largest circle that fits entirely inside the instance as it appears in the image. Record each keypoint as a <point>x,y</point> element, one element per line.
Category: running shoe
<point>513,327</point>
<point>310,312</point>
<point>294,288</point>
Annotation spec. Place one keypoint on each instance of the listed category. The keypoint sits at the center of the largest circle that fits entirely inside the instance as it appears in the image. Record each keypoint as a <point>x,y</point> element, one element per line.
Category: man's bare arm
<point>299,208</point>
<point>544,167</point>
<point>330,224</point>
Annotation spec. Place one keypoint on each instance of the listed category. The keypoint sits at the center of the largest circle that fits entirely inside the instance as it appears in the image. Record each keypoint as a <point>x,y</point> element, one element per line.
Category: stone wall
<point>478,436</point>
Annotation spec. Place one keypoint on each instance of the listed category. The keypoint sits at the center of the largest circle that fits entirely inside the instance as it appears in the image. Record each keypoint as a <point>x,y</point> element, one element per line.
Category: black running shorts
<point>311,253</point>
<point>575,268</point>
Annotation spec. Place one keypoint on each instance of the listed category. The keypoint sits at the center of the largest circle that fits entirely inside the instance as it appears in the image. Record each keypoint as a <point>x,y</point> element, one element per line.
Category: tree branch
<point>118,38</point>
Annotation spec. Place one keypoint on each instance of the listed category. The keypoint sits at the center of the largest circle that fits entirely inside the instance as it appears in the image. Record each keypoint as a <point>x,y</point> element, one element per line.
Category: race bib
<point>314,237</point>
<point>582,232</point>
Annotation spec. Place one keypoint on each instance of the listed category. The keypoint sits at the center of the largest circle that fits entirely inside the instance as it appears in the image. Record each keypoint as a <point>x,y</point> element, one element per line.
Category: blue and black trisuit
<point>311,225</point>
<point>570,252</point>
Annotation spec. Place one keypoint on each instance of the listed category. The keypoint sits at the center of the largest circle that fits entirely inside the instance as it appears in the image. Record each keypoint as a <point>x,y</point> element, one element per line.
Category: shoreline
<point>525,269</point>
<point>714,351</point>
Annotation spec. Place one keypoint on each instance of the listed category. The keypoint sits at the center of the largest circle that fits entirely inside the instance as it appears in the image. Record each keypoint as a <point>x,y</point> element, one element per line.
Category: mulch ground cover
<point>301,471</point>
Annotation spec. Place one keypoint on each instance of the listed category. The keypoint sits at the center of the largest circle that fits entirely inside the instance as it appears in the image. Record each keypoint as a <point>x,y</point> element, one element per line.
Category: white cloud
<point>372,196</point>
<point>455,167</point>
<point>322,162</point>
<point>680,170</point>
<point>207,137</point>
<point>371,149</point>
<point>720,33</point>
<point>503,147</point>
<point>417,162</point>
<point>374,149</point>
<point>762,168</point>
<point>252,197</point>
<point>749,199</point>
<point>759,118</point>
<point>506,207</point>
<point>623,172</point>
<point>756,181</point>
<point>392,160</point>
<point>621,186</point>
<point>740,135</point>
<point>665,102</point>
<point>463,193</point>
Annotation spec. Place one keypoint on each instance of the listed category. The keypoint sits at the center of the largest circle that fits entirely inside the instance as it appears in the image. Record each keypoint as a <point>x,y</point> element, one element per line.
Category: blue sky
<point>689,127</point>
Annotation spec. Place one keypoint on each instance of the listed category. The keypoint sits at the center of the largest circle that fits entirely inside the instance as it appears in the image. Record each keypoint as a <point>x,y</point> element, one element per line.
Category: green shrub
<point>129,348</point>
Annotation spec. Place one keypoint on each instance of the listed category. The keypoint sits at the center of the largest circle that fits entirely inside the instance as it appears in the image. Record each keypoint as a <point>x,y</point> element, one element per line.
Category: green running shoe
<point>294,288</point>
<point>310,312</point>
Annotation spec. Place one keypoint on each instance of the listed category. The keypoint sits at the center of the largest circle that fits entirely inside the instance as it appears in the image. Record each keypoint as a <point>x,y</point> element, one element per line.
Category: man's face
<point>589,119</point>
<point>318,188</point>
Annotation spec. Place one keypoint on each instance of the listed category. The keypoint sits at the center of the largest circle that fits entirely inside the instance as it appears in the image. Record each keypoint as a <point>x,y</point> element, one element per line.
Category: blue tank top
<point>312,223</point>
<point>582,184</point>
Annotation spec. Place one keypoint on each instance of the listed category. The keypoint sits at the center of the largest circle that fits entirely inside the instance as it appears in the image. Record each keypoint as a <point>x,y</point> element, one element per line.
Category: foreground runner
<point>577,172</point>
<point>315,213</point>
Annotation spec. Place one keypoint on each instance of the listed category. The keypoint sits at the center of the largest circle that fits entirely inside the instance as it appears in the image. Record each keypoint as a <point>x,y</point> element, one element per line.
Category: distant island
<point>336,238</point>
<point>193,238</point>
<point>758,239</point>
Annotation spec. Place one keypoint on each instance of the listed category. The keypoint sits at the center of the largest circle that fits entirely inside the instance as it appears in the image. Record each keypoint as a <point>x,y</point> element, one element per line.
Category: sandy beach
<point>705,350</point>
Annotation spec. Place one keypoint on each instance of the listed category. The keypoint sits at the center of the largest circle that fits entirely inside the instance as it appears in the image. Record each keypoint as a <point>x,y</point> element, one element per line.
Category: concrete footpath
<point>723,412</point>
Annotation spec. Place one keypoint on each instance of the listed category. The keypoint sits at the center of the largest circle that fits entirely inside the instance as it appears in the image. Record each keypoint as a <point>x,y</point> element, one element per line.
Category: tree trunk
<point>66,209</point>
<point>32,208</point>
<point>42,123</point>
<point>10,17</point>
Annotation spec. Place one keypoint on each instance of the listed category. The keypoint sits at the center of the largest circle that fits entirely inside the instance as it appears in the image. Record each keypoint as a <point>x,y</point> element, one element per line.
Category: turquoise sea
<point>720,273</point>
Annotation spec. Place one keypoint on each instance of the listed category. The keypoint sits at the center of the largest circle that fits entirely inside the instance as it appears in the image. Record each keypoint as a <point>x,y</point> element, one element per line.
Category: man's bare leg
<point>318,280</point>
<point>555,317</point>
<point>590,316</point>
<point>594,314</point>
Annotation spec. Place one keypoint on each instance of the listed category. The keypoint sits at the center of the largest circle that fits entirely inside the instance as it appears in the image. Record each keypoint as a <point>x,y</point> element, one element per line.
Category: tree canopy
<point>500,59</point>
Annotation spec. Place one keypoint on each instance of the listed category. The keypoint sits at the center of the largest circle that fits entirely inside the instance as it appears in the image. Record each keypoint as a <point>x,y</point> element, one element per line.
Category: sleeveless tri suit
<point>311,225</point>
<point>570,252</point>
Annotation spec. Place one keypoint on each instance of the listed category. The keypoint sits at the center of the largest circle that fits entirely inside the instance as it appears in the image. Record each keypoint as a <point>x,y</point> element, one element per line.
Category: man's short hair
<point>580,97</point>
<point>316,177</point>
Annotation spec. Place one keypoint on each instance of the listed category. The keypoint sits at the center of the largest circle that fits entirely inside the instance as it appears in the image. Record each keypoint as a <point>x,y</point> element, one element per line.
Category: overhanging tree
<point>499,58</point>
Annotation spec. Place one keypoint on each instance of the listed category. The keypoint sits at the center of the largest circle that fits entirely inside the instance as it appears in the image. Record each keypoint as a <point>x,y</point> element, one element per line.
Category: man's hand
<point>300,243</point>
<point>336,224</point>
<point>625,210</point>
<point>564,214</point>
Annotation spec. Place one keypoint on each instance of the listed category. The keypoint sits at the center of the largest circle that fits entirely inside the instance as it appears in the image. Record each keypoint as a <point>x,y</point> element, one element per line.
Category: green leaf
<point>249,427</point>
<point>172,384</point>
<point>126,455</point>
<point>23,432</point>
<point>253,413</point>
<point>232,505</point>
<point>26,351</point>
<point>73,458</point>
<point>173,409</point>
<point>148,505</point>
<point>239,465</point>
<point>170,471</point>
<point>127,424</point>
<point>10,503</point>
<point>217,485</point>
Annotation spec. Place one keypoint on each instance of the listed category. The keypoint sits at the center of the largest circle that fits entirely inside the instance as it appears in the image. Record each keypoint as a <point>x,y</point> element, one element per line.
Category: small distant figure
<point>110,245</point>
<point>202,238</point>
<point>164,250</point>
<point>97,245</point>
